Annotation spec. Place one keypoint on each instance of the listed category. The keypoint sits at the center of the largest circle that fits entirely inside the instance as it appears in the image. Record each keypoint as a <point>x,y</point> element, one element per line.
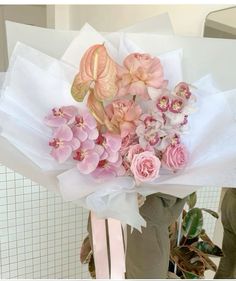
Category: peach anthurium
<point>97,77</point>
<point>97,71</point>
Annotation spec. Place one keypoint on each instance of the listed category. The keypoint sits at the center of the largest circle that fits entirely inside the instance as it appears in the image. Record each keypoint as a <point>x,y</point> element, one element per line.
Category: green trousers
<point>227,266</point>
<point>147,255</point>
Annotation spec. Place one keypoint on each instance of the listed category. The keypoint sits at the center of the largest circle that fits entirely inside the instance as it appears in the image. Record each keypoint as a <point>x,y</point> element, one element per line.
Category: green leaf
<point>209,264</point>
<point>190,275</point>
<point>205,237</point>
<point>193,223</point>
<point>209,248</point>
<point>192,200</point>
<point>189,260</point>
<point>213,213</point>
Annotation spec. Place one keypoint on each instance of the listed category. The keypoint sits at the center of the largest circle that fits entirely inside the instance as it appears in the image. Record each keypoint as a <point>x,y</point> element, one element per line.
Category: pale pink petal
<point>80,133</point>
<point>69,111</point>
<point>140,89</point>
<point>126,128</point>
<point>63,133</point>
<point>61,154</point>
<point>113,141</point>
<point>88,145</point>
<point>74,143</point>
<point>112,156</point>
<point>133,113</point>
<point>99,150</point>
<point>89,164</point>
<point>92,134</point>
<point>89,121</point>
<point>54,121</point>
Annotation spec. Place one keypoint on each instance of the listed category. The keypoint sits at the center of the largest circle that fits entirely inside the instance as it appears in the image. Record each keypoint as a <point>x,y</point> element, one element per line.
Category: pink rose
<point>145,166</point>
<point>175,157</point>
<point>139,72</point>
<point>137,149</point>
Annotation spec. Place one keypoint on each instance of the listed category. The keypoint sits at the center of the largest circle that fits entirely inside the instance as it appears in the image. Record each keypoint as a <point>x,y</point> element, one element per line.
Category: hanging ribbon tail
<point>117,249</point>
<point>100,247</point>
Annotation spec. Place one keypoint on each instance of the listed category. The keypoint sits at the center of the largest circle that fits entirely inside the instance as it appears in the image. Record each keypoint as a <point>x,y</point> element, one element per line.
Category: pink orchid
<point>61,116</point>
<point>85,126</point>
<point>111,144</point>
<point>150,129</point>
<point>139,72</point>
<point>182,90</point>
<point>63,143</point>
<point>123,114</point>
<point>88,156</point>
<point>106,169</point>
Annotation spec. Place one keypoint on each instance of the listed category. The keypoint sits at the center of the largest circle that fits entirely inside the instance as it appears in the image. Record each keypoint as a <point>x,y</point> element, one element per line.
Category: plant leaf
<point>213,213</point>
<point>188,260</point>
<point>193,223</point>
<point>91,268</point>
<point>209,264</point>
<point>205,237</point>
<point>192,200</point>
<point>86,251</point>
<point>208,248</point>
<point>190,275</point>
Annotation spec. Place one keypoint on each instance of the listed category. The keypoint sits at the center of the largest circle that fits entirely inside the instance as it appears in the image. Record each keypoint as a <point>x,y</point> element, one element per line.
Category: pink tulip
<point>139,72</point>
<point>61,116</point>
<point>63,143</point>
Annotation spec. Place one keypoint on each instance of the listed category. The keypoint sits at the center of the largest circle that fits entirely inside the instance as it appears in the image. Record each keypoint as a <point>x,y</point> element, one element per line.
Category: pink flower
<point>127,141</point>
<point>139,72</point>
<point>182,90</point>
<point>150,130</point>
<point>63,143</point>
<point>176,105</point>
<point>123,114</point>
<point>88,156</point>
<point>175,157</point>
<point>85,126</point>
<point>111,144</point>
<point>106,169</point>
<point>145,166</point>
<point>61,116</point>
<point>137,149</point>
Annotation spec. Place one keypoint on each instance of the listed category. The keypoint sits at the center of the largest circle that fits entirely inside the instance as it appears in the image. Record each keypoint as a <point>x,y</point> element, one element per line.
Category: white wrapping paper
<point>35,83</point>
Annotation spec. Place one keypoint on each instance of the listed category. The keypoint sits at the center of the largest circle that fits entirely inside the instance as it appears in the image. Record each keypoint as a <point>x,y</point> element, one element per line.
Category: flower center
<point>57,112</point>
<point>101,140</point>
<point>163,103</point>
<point>102,163</point>
<point>56,143</point>
<point>149,120</point>
<point>176,106</point>
<point>79,121</point>
<point>79,155</point>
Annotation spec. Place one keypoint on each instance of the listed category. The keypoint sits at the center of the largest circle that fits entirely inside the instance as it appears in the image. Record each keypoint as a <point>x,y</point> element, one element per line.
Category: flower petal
<point>61,154</point>
<point>89,164</point>
<point>63,133</point>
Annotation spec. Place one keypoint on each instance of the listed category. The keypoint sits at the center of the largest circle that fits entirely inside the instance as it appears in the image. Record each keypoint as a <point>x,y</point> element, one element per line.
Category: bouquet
<point>121,123</point>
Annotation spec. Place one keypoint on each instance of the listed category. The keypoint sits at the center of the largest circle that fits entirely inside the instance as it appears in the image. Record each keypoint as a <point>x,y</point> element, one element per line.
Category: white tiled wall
<point>40,235</point>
